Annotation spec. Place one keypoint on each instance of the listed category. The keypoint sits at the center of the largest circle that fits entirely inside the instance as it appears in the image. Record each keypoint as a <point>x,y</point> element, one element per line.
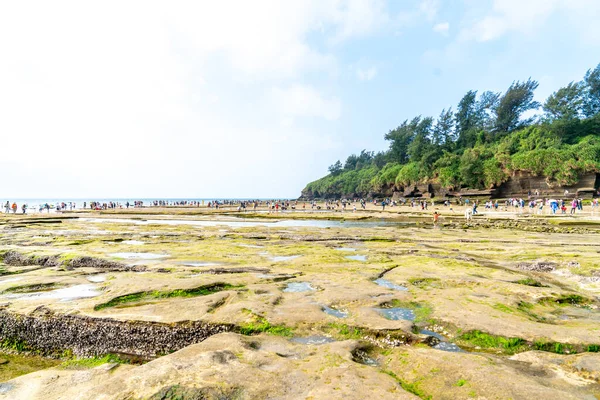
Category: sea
<point>35,205</point>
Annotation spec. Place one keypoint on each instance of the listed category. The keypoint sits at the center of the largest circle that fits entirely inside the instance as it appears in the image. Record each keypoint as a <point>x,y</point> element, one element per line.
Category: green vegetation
<point>461,382</point>
<point>259,324</point>
<point>409,387</point>
<point>481,144</point>
<point>343,331</point>
<point>36,287</point>
<point>425,282</point>
<point>264,326</point>
<point>488,341</point>
<point>22,364</point>
<point>530,282</point>
<point>14,344</point>
<point>91,362</point>
<point>554,347</point>
<point>157,294</point>
<point>567,299</point>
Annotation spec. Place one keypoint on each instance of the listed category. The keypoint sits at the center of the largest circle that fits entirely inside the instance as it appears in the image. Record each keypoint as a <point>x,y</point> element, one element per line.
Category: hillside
<point>487,145</point>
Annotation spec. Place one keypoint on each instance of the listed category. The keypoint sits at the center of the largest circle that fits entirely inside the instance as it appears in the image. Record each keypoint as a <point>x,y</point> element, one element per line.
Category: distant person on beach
<point>436,218</point>
<point>14,208</point>
<point>7,207</point>
<point>468,214</point>
<point>24,208</point>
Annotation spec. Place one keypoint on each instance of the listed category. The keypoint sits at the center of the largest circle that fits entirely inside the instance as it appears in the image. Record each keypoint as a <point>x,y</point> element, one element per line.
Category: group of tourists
<point>174,203</point>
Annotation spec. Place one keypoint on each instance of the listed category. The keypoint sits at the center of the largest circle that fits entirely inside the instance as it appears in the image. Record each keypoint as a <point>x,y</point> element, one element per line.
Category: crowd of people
<point>517,205</point>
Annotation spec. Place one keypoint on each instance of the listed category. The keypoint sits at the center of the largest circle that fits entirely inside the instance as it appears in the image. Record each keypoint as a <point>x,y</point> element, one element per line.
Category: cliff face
<point>521,184</point>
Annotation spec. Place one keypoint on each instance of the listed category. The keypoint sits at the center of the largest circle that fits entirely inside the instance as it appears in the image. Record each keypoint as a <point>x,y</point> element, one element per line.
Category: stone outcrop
<point>100,263</point>
<point>49,333</point>
<point>522,183</point>
<point>16,259</point>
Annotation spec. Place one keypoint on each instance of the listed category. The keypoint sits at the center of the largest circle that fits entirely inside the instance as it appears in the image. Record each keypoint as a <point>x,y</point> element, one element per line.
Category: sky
<point>254,98</point>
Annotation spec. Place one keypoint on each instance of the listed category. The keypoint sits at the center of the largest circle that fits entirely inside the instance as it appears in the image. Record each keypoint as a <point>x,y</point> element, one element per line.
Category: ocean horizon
<point>34,204</point>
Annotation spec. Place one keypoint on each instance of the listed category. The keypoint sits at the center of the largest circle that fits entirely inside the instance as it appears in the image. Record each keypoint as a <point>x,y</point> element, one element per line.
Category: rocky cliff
<point>521,184</point>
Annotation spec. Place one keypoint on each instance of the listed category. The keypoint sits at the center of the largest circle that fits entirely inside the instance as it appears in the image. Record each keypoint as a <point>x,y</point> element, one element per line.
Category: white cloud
<point>366,74</point>
<point>149,98</point>
<point>442,28</point>
<point>359,17</point>
<point>305,101</point>
<point>526,17</point>
<point>429,8</point>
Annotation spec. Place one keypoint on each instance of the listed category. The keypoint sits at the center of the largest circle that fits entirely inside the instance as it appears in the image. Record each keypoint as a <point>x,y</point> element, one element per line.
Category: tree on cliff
<point>335,168</point>
<point>591,105</point>
<point>466,120</point>
<point>517,100</point>
<point>566,103</point>
<point>489,137</point>
<point>443,131</point>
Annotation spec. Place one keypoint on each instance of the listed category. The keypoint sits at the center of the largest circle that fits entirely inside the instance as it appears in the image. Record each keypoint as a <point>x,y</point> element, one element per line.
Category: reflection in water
<point>397,313</point>
<point>387,284</point>
<point>296,287</point>
<point>316,340</point>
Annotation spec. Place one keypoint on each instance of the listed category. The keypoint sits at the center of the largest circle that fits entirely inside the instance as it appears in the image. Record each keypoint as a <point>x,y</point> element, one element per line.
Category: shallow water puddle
<point>202,264</point>
<point>315,340</point>
<point>357,257</point>
<point>251,246</point>
<point>389,285</point>
<point>5,387</point>
<point>297,287</point>
<point>446,346</point>
<point>443,345</point>
<point>133,242</point>
<point>138,256</point>
<point>430,333</point>
<point>96,278</point>
<point>282,258</point>
<point>397,313</point>
<point>345,249</point>
<point>10,280</point>
<point>334,313</point>
<point>65,294</point>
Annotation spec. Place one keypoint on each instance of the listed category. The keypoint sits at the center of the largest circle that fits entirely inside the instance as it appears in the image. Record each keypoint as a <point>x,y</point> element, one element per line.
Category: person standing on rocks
<point>468,214</point>
<point>436,218</point>
<point>7,207</point>
<point>14,208</point>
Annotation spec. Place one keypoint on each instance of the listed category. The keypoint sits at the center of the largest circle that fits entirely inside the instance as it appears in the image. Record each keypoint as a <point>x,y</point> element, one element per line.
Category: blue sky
<point>252,99</point>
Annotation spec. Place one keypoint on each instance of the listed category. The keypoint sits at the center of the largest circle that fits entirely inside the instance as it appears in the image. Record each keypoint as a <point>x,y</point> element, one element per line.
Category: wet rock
<point>431,341</point>
<point>50,333</point>
<point>99,263</point>
<point>16,259</point>
<point>219,271</point>
<point>223,357</point>
<point>361,355</point>
<point>539,266</point>
<point>3,361</point>
<point>190,393</point>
